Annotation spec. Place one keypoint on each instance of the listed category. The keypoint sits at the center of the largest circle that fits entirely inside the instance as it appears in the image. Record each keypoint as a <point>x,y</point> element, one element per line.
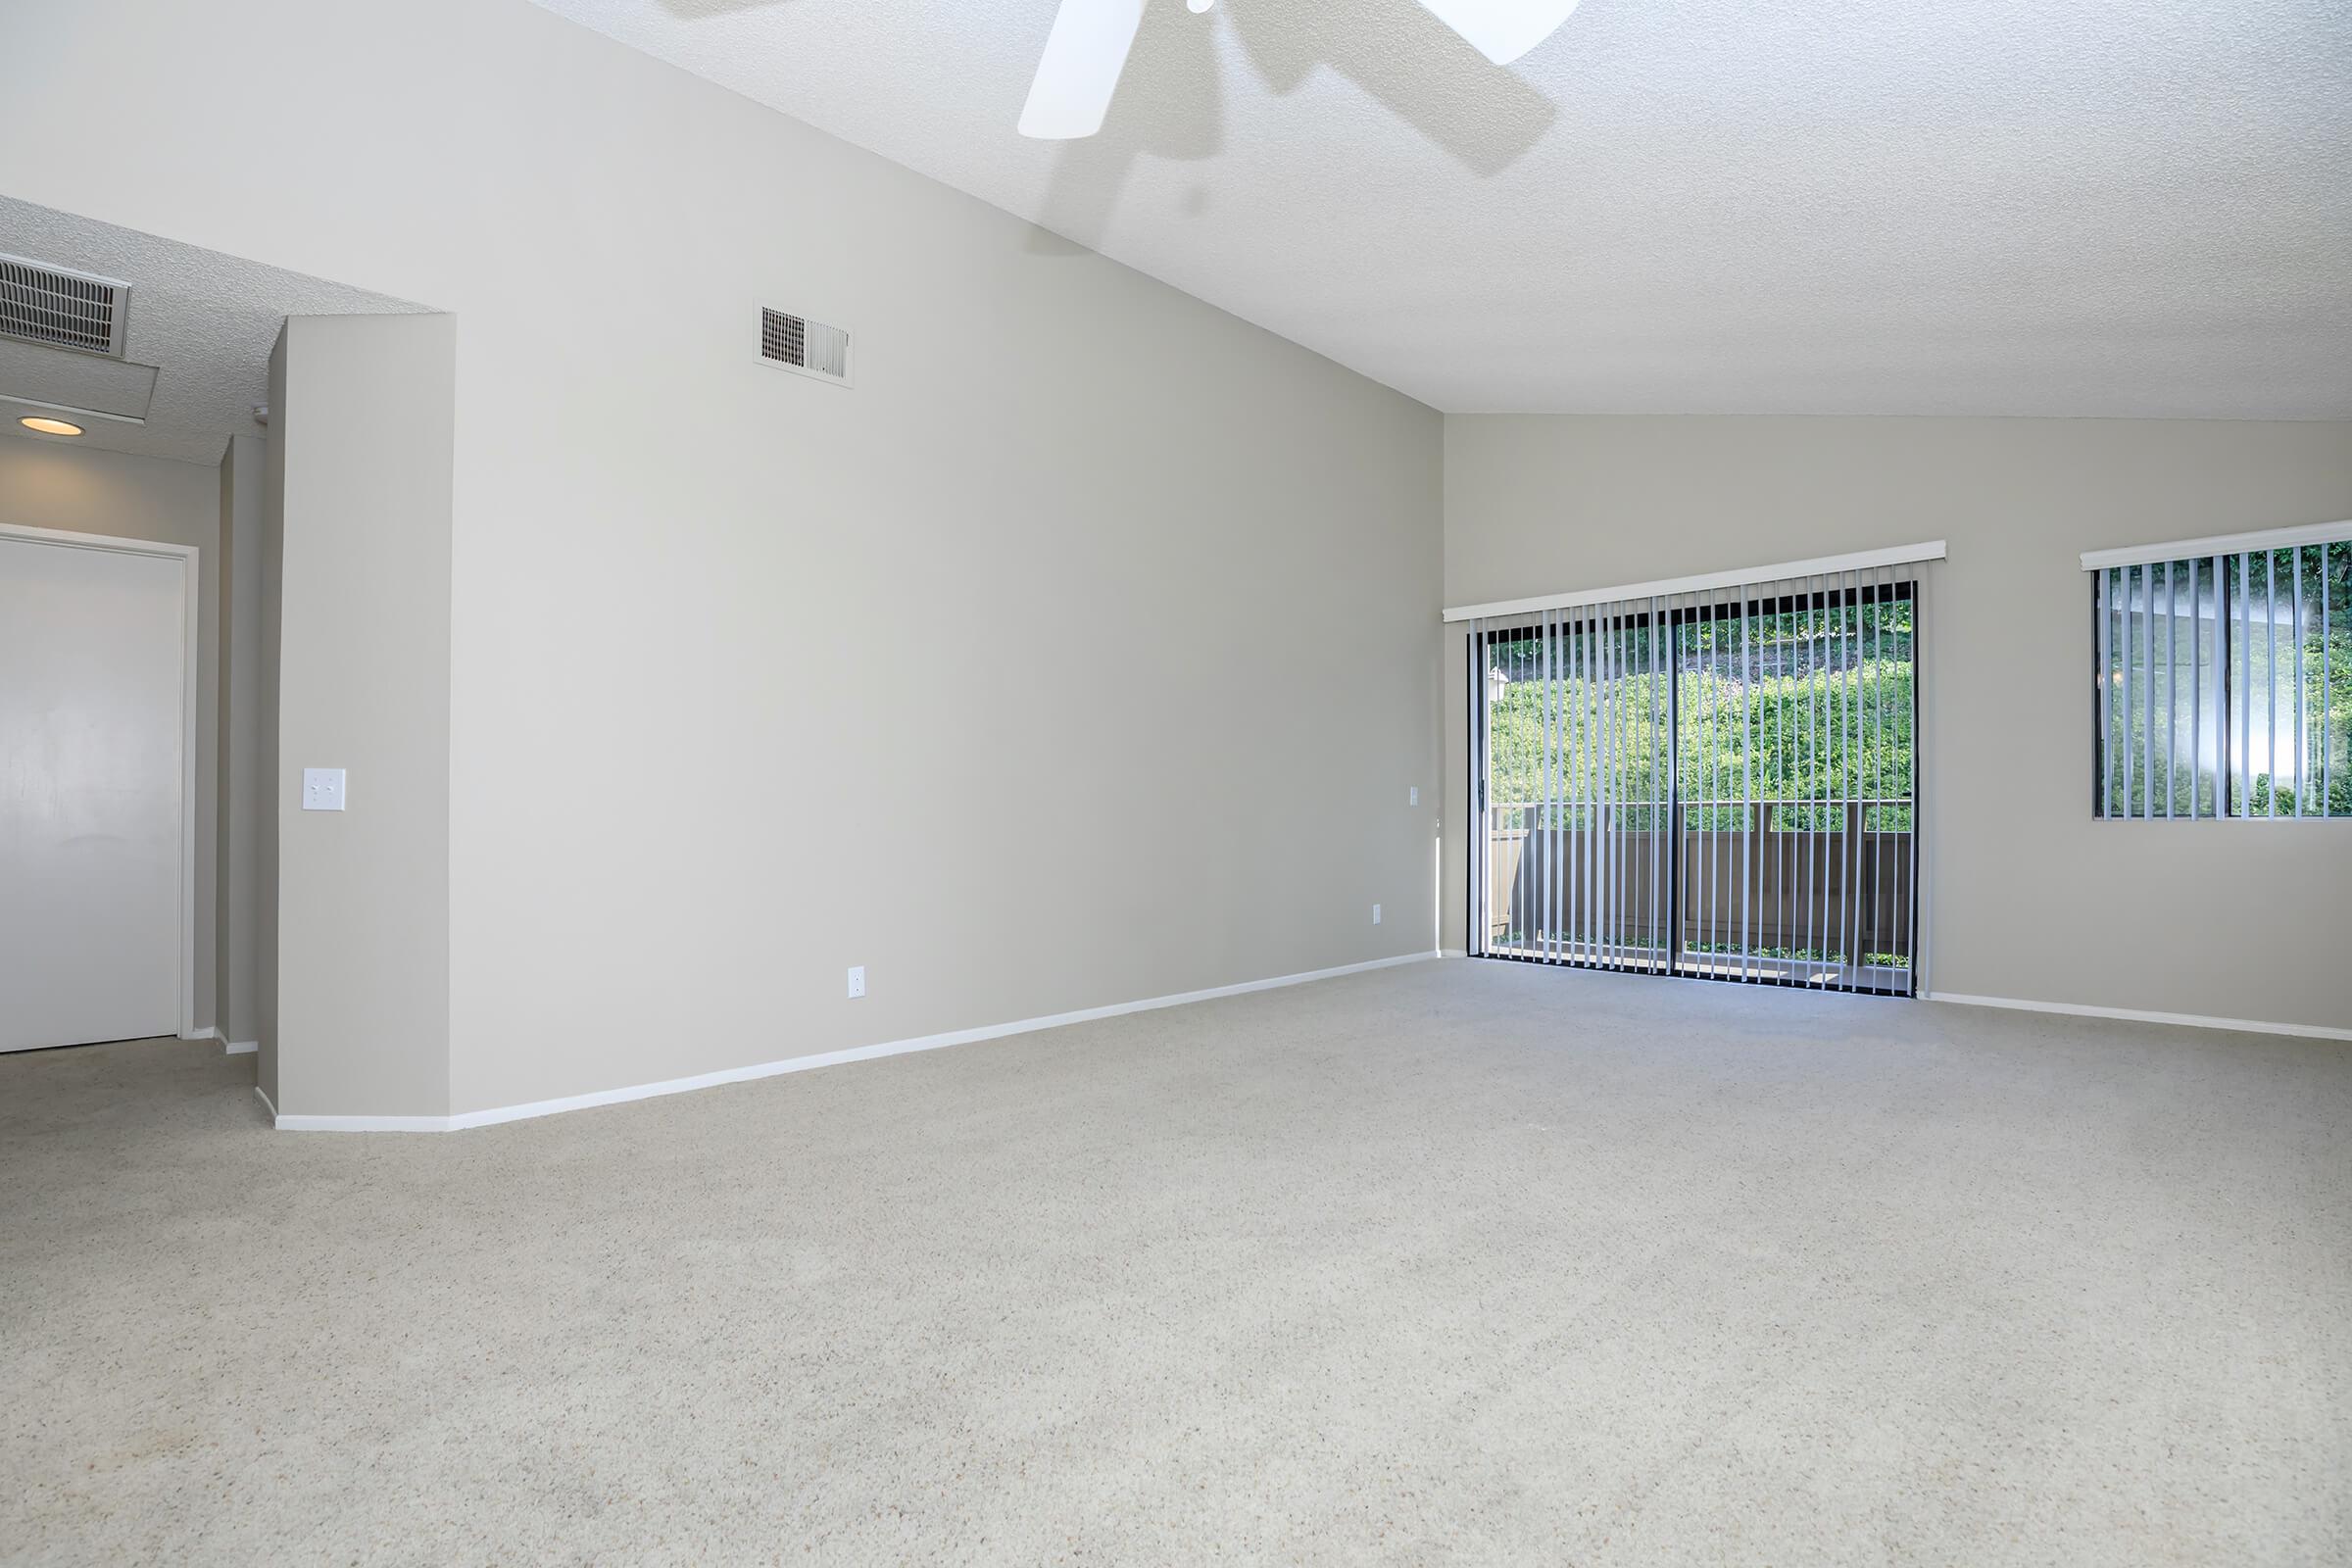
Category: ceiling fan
<point>1088,49</point>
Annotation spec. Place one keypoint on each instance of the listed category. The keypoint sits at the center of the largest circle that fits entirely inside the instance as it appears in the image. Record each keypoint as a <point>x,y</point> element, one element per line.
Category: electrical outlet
<point>1412,796</point>
<point>858,982</point>
<point>1375,914</point>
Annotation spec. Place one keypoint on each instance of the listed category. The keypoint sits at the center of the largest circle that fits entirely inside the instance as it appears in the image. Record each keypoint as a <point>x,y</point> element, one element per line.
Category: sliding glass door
<point>1581,760</point>
<point>1719,784</point>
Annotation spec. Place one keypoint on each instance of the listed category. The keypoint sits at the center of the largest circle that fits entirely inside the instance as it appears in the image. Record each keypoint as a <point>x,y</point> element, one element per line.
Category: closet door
<point>93,649</point>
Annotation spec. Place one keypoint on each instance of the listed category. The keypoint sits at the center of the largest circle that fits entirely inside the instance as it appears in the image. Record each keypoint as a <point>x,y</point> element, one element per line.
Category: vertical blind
<point>2223,683</point>
<point>1719,783</point>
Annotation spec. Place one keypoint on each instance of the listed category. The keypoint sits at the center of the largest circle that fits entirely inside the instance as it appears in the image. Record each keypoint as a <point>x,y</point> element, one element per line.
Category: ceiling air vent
<point>811,348</point>
<point>65,310</point>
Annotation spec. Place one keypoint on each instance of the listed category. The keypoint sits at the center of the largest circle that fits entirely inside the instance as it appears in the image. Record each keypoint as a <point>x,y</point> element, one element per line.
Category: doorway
<point>1720,784</point>
<point>97,833</point>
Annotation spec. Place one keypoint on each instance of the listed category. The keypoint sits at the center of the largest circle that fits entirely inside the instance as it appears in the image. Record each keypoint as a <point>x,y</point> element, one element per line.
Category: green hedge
<point>1769,709</point>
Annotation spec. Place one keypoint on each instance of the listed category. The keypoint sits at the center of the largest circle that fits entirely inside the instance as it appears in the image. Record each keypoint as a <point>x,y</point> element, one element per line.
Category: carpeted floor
<point>1458,1263</point>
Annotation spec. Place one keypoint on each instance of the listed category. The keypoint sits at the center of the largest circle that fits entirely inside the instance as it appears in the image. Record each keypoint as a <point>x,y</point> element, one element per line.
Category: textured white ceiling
<point>204,321</point>
<point>2029,207</point>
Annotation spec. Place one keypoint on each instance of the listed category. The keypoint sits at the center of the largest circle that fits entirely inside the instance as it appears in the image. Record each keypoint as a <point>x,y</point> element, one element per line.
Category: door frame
<point>191,656</point>
<point>1751,597</point>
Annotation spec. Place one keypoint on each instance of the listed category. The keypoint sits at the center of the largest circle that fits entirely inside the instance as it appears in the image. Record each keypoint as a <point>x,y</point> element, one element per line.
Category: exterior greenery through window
<point>1761,749</point>
<point>1779,699</point>
<point>2224,685</point>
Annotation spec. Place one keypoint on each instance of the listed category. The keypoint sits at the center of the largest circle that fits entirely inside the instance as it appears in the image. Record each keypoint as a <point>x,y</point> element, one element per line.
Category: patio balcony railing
<point>1800,892</point>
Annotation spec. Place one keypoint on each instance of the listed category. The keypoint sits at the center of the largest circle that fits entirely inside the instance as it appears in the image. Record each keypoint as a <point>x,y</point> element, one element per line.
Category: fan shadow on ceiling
<point>1170,103</point>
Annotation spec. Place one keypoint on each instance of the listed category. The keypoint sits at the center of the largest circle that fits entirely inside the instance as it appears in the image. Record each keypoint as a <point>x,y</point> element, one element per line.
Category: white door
<point>92,652</point>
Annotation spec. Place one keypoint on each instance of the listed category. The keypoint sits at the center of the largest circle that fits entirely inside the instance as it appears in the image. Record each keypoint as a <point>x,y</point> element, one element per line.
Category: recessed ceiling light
<point>48,426</point>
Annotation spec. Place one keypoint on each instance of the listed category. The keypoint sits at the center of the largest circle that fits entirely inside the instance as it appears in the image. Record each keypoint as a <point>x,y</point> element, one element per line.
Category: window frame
<point>2231,561</point>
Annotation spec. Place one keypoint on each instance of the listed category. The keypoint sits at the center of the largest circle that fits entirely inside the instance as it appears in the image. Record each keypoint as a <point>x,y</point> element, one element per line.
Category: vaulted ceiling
<point>2010,207</point>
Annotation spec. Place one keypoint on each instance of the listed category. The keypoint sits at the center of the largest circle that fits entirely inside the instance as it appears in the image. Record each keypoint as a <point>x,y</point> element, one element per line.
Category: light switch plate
<point>858,982</point>
<point>1375,914</point>
<point>1412,796</point>
<point>322,788</point>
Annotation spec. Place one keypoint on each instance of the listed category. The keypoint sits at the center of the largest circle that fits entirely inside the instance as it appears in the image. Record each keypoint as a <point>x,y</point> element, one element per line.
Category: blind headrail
<point>1744,576</point>
<point>2220,544</point>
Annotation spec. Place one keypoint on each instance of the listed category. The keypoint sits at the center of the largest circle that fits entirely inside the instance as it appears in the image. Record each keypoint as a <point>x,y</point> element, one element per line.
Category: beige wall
<point>360,416</point>
<point>2032,899</point>
<point>753,678</point>
<point>54,484</point>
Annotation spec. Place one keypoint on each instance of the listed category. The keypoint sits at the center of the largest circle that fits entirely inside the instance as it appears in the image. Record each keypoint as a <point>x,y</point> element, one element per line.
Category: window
<point>2224,679</point>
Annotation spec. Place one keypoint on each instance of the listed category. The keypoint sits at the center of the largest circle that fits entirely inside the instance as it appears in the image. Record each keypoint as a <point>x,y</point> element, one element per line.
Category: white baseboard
<point>829,1058</point>
<point>2190,1020</point>
<point>263,1095</point>
<point>1454,952</point>
<point>240,1048</point>
<point>362,1124</point>
<point>208,1032</point>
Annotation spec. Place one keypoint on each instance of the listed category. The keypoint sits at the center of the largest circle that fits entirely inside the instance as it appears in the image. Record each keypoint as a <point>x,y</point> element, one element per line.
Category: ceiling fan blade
<point>1501,30</point>
<point>1079,69</point>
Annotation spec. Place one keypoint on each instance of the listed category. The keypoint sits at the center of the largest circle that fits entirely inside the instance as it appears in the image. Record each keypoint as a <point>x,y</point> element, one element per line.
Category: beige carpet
<point>1459,1262</point>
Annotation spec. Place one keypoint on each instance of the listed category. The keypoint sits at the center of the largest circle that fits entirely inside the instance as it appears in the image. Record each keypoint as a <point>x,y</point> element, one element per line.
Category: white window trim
<point>2220,544</point>
<point>1860,559</point>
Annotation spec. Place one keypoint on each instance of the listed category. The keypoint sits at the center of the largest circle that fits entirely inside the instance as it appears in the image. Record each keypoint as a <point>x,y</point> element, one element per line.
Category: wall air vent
<point>810,348</point>
<point>44,303</point>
